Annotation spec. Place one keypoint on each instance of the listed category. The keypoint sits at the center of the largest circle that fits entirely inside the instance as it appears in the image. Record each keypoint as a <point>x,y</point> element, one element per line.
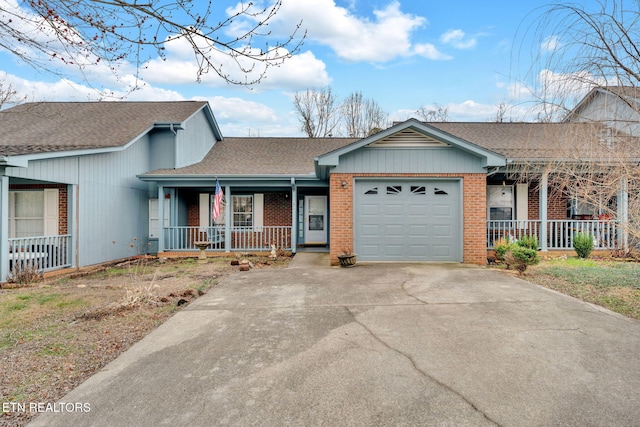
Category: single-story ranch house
<point>87,183</point>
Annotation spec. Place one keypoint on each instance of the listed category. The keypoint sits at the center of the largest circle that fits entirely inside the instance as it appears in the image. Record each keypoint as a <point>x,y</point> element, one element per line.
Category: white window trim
<point>257,210</point>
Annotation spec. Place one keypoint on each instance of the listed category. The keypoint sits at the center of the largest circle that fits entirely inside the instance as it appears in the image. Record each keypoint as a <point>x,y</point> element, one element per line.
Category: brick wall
<point>556,204</point>
<point>277,209</point>
<point>474,189</point>
<point>63,202</point>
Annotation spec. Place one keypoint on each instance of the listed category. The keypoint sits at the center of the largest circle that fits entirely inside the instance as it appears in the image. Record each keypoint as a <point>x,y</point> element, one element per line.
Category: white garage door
<point>408,220</point>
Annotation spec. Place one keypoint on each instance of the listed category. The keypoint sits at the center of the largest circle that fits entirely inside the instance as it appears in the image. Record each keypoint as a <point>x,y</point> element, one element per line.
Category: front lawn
<point>611,284</point>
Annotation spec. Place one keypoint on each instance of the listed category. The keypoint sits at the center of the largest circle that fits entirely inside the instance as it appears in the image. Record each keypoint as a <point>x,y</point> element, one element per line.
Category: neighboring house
<point>616,106</point>
<point>85,183</point>
<point>69,195</point>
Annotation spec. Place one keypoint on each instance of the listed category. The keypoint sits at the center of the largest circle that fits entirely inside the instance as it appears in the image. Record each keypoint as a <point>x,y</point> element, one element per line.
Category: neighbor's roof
<point>630,94</point>
<point>527,141</point>
<point>45,127</point>
<point>261,156</point>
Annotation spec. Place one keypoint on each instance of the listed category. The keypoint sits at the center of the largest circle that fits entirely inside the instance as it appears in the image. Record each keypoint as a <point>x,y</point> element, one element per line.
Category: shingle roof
<point>261,156</point>
<point>60,126</point>
<point>295,156</point>
<point>527,141</point>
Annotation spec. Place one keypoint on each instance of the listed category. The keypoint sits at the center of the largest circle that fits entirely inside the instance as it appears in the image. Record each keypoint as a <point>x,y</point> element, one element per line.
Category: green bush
<point>502,246</point>
<point>583,244</point>
<point>526,256</point>
<point>528,241</point>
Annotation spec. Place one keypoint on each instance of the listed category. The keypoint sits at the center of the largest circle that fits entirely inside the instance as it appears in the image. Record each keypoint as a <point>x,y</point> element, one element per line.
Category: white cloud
<point>66,90</point>
<point>458,39</point>
<point>429,51</point>
<point>554,86</point>
<point>354,38</point>
<point>550,44</point>
<point>179,67</point>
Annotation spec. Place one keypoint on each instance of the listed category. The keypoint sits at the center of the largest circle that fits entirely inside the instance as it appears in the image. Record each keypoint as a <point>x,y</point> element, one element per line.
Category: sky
<point>465,55</point>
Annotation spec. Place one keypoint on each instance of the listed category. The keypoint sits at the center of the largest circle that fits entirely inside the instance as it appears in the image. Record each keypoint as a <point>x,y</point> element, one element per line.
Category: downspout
<point>161,219</point>
<point>228,226</point>
<point>623,215</point>
<point>294,216</point>
<point>544,184</point>
<point>4,227</point>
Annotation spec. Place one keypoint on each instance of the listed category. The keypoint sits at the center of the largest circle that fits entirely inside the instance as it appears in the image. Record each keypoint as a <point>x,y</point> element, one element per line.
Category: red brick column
<point>341,215</point>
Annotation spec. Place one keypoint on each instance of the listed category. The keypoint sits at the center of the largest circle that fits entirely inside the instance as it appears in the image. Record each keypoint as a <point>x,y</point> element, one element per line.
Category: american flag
<point>217,201</point>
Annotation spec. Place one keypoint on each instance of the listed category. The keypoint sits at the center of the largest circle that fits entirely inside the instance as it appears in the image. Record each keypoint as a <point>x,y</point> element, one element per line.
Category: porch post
<point>72,222</point>
<point>542,195</point>
<point>4,226</point>
<point>623,214</point>
<point>227,219</point>
<point>160,218</point>
<point>294,215</point>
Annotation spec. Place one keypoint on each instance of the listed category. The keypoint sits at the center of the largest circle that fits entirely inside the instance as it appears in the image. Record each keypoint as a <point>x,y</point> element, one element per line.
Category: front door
<point>315,220</point>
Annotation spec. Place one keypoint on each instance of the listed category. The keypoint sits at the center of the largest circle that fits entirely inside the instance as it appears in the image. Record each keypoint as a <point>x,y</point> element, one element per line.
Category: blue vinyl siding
<point>410,160</point>
<point>194,141</point>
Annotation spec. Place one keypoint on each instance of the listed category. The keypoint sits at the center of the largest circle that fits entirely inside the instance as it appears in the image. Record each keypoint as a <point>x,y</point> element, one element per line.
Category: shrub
<point>528,241</point>
<point>521,257</point>
<point>502,246</point>
<point>583,244</point>
<point>526,256</point>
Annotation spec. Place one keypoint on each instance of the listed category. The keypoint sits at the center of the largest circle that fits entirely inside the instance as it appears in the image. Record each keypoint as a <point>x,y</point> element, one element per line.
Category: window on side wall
<point>500,202</point>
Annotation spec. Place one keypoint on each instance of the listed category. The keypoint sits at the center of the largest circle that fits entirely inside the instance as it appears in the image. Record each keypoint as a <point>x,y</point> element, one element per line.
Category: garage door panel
<point>441,252</point>
<point>369,231</point>
<point>442,211</point>
<point>418,231</point>
<point>394,210</point>
<point>394,251</point>
<point>391,231</point>
<point>408,220</point>
<point>369,251</point>
<point>417,210</point>
<point>445,231</point>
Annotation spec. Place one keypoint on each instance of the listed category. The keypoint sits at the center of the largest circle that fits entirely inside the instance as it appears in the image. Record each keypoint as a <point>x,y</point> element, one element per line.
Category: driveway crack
<point>409,294</point>
<point>417,368</point>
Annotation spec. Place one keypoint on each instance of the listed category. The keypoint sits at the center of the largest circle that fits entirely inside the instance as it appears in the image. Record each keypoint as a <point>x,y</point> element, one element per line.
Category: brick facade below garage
<point>474,190</point>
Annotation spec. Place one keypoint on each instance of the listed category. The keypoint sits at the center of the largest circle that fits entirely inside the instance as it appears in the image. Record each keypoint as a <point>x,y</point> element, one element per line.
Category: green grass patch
<point>611,284</point>
<point>55,349</point>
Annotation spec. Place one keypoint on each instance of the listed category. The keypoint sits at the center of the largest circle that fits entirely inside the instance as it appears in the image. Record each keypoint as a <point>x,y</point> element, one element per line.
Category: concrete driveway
<point>379,344</point>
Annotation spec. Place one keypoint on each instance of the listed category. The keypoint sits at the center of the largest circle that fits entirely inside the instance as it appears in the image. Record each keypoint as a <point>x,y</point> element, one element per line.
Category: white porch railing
<point>45,253</point>
<point>559,232</point>
<point>246,239</point>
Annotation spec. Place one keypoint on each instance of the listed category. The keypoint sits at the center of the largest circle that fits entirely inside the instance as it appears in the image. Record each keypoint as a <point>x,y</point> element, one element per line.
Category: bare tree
<point>439,113</point>
<point>82,33</point>
<point>317,112</point>
<point>579,50</point>
<point>501,112</point>
<point>578,47</point>
<point>361,116</point>
<point>7,95</point>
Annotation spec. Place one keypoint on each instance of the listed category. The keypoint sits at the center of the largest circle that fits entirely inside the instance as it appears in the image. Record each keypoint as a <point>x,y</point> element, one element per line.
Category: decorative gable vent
<point>407,138</point>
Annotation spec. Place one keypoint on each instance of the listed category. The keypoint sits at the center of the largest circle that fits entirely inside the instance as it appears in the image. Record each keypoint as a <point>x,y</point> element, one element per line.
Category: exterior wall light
<point>344,184</point>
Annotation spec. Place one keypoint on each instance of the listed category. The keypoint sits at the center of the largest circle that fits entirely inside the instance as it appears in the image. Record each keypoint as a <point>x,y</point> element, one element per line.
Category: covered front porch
<point>36,227</point>
<point>607,234</point>
<point>255,215</point>
<point>534,208</point>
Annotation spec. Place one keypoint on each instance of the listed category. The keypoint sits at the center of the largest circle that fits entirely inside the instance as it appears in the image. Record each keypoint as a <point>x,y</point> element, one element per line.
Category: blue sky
<point>403,54</point>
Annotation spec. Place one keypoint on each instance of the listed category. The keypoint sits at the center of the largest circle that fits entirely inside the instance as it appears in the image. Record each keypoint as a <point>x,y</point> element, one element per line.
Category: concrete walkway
<point>378,344</point>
